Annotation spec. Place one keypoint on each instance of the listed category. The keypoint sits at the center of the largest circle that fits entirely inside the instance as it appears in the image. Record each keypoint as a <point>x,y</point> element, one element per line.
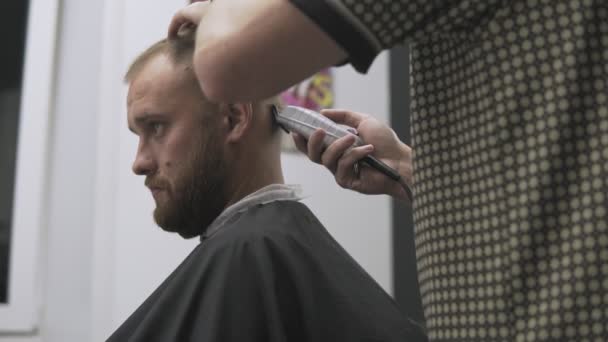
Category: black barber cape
<point>272,273</point>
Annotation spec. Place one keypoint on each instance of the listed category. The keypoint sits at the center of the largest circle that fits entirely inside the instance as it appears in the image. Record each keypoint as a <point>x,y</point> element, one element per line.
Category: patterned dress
<point>510,132</point>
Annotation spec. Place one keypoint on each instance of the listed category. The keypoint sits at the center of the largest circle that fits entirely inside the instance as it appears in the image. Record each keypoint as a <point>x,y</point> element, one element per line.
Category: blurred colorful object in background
<point>314,93</point>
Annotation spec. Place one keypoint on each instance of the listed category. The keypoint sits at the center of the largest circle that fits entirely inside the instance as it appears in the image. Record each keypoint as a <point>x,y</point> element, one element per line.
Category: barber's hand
<point>187,17</point>
<point>340,158</point>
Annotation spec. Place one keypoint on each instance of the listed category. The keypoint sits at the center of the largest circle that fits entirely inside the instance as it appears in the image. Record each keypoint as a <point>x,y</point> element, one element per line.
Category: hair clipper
<point>305,122</point>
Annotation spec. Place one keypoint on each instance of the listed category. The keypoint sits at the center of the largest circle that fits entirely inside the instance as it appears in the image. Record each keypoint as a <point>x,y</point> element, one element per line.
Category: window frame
<point>22,312</point>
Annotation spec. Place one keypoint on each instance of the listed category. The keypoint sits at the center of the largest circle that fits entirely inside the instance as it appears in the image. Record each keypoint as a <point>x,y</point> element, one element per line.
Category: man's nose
<point>144,163</point>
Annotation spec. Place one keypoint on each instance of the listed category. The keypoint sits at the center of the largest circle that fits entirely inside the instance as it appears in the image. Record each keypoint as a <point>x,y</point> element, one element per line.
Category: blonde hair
<point>180,50</point>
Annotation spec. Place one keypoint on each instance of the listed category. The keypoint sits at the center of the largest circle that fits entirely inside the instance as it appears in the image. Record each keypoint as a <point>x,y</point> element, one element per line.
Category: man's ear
<point>237,119</point>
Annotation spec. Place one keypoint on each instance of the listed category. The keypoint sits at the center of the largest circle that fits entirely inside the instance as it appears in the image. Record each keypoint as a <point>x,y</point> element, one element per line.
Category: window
<point>27,29</point>
<point>13,17</point>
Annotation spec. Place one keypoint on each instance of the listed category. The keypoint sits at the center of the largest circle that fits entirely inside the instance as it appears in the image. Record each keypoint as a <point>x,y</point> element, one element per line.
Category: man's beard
<point>198,195</point>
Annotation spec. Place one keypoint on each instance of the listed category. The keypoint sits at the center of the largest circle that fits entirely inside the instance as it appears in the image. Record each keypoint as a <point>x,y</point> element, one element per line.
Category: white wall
<point>104,254</point>
<point>68,297</point>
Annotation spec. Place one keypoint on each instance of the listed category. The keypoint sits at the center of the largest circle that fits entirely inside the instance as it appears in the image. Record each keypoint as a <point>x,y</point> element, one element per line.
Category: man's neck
<point>250,179</point>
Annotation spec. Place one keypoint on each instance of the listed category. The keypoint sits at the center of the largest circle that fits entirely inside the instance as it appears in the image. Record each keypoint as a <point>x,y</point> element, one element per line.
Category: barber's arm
<point>241,42</point>
<point>340,158</point>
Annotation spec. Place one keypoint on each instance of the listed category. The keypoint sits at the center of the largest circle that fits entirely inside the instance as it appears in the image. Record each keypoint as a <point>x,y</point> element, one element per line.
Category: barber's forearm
<point>250,49</point>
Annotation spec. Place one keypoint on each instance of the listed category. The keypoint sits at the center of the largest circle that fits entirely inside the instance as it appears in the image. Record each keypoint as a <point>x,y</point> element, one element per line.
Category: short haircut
<point>180,50</point>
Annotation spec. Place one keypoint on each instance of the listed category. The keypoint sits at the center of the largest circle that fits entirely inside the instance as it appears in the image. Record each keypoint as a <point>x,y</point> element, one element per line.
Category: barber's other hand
<point>187,17</point>
<point>340,158</point>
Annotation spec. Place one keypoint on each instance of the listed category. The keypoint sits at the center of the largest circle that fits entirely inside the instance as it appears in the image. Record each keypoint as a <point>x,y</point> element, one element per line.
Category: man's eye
<point>157,128</point>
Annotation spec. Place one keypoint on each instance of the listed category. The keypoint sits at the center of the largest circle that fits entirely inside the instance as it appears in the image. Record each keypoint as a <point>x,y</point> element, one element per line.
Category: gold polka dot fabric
<point>510,130</point>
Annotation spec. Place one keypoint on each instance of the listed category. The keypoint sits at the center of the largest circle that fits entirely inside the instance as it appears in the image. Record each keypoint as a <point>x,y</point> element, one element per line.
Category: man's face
<point>178,152</point>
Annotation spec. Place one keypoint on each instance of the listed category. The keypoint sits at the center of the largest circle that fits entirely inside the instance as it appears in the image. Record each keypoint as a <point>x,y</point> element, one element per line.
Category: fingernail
<point>369,148</point>
<point>352,130</point>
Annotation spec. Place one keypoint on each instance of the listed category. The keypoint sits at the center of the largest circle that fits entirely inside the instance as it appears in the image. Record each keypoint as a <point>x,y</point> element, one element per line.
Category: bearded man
<point>266,269</point>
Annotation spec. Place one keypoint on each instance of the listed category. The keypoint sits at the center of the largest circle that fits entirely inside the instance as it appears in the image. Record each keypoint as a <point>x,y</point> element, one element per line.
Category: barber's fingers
<point>300,142</point>
<point>335,151</point>
<point>189,16</point>
<point>177,22</point>
<point>312,147</point>
<point>345,171</point>
<point>315,146</point>
<point>344,117</point>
